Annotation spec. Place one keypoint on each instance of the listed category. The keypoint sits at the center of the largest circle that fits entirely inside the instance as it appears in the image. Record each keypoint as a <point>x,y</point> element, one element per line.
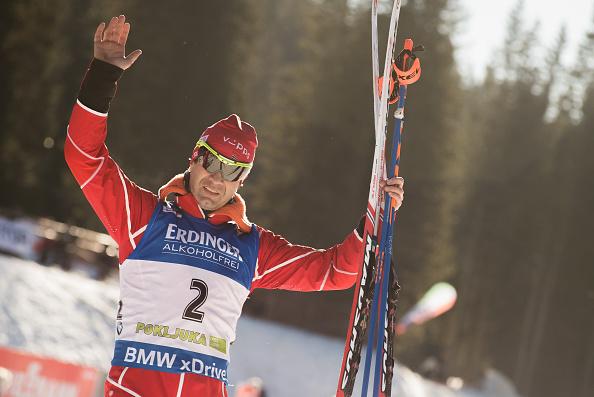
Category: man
<point>186,265</point>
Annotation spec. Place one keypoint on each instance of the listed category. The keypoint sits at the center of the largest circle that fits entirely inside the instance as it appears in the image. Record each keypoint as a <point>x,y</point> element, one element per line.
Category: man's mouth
<point>208,189</point>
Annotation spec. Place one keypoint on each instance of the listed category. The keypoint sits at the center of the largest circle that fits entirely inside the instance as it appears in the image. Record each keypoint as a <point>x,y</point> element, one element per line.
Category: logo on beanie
<point>238,146</point>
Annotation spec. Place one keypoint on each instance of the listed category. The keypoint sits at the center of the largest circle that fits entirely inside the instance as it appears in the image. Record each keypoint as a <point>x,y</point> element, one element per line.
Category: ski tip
<point>253,387</point>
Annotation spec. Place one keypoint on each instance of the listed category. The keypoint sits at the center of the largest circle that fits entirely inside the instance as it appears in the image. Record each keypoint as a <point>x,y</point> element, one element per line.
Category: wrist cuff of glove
<point>99,85</point>
<point>361,227</point>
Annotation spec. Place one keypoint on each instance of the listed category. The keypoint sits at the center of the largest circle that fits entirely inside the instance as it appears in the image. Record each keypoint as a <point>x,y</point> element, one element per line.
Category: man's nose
<point>217,176</point>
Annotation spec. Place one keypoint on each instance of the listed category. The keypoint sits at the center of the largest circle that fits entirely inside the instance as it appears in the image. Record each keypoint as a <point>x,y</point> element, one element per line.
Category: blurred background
<point>498,168</point>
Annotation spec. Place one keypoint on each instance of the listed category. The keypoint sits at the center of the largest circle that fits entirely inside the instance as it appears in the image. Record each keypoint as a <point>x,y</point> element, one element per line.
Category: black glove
<point>99,86</point>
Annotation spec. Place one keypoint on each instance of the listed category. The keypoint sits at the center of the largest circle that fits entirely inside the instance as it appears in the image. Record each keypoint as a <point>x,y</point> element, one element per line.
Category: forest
<point>498,172</point>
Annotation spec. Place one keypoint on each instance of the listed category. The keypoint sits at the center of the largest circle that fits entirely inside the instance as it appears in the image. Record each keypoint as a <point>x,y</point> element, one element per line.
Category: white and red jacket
<point>183,278</point>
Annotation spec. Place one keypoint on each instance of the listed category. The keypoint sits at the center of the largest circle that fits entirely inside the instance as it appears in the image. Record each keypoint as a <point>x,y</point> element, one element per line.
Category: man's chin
<point>208,204</point>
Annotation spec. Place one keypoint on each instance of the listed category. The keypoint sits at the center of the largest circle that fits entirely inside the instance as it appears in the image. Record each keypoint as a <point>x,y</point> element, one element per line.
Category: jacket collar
<point>234,211</point>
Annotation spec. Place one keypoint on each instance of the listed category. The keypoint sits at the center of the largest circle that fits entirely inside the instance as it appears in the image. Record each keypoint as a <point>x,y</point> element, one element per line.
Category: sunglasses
<point>213,162</point>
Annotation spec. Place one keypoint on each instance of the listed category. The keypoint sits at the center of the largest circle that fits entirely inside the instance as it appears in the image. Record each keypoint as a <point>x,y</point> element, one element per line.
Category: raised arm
<point>123,207</point>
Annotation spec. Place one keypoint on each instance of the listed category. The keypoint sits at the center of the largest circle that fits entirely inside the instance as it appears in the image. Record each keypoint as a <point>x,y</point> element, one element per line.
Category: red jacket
<point>125,209</point>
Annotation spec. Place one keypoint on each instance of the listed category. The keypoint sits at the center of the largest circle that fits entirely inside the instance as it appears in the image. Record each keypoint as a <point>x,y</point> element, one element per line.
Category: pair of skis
<point>376,289</point>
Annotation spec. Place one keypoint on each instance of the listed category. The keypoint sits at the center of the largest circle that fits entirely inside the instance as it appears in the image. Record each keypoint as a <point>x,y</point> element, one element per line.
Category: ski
<point>376,291</point>
<point>382,88</point>
<point>405,70</point>
<point>389,333</point>
<point>363,296</point>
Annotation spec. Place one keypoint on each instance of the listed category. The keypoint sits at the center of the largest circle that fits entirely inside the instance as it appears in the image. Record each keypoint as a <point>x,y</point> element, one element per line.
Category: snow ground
<point>69,316</point>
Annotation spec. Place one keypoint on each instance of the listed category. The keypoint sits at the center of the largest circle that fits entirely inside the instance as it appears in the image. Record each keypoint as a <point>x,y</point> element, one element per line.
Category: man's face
<point>210,190</point>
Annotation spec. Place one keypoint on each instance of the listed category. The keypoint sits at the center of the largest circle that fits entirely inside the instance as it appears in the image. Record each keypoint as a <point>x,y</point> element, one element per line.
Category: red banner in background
<point>34,376</point>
